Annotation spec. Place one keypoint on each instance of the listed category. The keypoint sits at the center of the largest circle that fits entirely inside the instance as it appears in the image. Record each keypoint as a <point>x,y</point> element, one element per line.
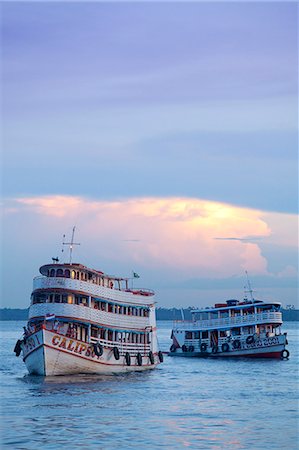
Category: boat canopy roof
<point>242,305</point>
<point>76,266</point>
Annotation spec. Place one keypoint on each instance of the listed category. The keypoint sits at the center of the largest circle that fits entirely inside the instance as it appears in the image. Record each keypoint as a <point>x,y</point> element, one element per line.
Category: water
<point>185,403</point>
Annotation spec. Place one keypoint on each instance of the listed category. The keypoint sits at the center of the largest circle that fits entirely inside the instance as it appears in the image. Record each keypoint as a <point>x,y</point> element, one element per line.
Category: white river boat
<point>82,320</point>
<point>251,328</point>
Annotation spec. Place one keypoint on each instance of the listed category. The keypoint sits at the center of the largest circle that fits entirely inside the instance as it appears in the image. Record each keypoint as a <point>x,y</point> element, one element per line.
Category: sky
<point>167,132</point>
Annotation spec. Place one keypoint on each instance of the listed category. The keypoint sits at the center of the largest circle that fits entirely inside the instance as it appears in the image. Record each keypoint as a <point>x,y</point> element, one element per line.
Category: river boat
<point>83,320</point>
<point>251,328</point>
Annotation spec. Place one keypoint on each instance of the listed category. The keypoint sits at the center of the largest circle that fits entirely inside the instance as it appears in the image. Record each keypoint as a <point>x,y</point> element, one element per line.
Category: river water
<point>184,403</point>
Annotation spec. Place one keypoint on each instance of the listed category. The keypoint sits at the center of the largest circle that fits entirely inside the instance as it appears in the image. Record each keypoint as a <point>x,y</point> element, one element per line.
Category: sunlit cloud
<point>170,242</point>
<point>168,233</point>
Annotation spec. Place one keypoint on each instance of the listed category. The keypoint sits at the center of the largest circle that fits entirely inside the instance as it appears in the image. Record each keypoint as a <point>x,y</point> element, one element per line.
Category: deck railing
<point>228,322</point>
<point>88,314</point>
<point>124,347</point>
<point>134,296</point>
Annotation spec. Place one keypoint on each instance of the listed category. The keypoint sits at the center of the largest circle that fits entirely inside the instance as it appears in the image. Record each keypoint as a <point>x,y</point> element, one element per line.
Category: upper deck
<point>226,316</point>
<point>226,323</point>
<point>79,278</point>
<point>235,305</point>
<point>130,296</point>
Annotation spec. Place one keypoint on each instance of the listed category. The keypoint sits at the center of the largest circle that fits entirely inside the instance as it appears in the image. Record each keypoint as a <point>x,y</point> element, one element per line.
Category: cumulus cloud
<point>168,233</point>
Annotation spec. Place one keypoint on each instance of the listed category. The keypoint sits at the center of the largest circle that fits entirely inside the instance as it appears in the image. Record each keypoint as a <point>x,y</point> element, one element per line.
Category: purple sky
<point>120,101</point>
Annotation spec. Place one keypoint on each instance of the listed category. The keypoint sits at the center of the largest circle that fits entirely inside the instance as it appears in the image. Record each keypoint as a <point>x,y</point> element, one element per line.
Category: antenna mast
<point>250,291</point>
<point>71,244</point>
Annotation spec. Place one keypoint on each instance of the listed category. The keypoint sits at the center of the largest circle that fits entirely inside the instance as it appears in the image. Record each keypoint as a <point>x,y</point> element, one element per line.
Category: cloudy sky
<point>166,132</point>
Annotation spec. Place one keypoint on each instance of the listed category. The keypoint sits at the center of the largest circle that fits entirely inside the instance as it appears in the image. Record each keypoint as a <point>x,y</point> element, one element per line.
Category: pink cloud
<point>160,233</point>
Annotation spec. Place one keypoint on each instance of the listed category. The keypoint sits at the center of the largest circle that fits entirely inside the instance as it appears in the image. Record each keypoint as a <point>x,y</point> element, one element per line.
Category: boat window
<point>213,314</point>
<point>94,332</point>
<point>39,297</point>
<point>64,298</point>
<point>188,335</point>
<point>84,301</point>
<point>204,334</point>
<point>59,273</point>
<point>236,331</point>
<point>67,273</point>
<point>224,314</point>
<point>196,334</point>
<point>73,274</point>
<point>52,273</point>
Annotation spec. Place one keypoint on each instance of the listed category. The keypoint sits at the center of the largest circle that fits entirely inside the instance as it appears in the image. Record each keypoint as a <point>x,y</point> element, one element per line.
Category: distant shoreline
<point>288,315</point>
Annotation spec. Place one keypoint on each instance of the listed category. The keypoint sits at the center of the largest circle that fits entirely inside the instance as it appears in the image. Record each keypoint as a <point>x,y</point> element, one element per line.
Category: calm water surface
<point>185,403</point>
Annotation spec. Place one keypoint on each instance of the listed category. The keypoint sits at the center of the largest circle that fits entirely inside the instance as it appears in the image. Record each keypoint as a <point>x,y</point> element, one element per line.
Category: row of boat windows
<point>205,334</point>
<point>78,275</point>
<point>233,313</point>
<point>120,336</point>
<point>80,332</point>
<point>232,332</point>
<point>45,297</point>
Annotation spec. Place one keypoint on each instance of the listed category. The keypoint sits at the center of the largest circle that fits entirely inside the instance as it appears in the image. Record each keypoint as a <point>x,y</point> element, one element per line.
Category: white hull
<point>48,353</point>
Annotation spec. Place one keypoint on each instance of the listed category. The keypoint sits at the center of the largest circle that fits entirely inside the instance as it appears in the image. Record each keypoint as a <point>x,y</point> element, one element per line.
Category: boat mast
<point>250,291</point>
<point>71,244</point>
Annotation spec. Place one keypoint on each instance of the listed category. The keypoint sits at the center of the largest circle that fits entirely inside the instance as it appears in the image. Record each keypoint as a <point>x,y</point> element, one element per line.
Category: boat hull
<point>48,353</point>
<point>267,348</point>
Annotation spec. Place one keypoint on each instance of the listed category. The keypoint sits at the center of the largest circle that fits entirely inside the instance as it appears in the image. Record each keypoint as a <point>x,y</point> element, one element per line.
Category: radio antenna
<point>250,291</point>
<point>71,244</point>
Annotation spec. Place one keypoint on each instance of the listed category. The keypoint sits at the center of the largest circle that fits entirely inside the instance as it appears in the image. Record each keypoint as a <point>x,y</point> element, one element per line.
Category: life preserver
<point>139,359</point>
<point>160,356</point>
<point>172,348</point>
<point>191,348</point>
<point>98,349</point>
<point>214,349</point>
<point>203,347</point>
<point>116,353</point>
<point>18,347</point>
<point>285,353</point>
<point>184,348</point>
<point>128,358</point>
<point>225,347</point>
<point>151,357</point>
<point>237,344</point>
<point>250,340</point>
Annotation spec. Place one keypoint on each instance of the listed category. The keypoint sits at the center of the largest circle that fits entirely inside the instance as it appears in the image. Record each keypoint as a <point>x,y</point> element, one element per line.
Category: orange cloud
<point>167,233</point>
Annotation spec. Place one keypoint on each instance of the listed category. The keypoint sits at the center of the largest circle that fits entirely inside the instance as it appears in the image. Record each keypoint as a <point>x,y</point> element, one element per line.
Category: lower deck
<point>46,352</point>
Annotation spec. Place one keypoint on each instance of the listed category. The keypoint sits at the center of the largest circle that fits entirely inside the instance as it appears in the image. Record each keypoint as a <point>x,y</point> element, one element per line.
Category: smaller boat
<point>251,328</point>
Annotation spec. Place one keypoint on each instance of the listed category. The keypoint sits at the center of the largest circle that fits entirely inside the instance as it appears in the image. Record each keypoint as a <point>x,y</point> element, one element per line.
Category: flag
<point>50,317</point>
<point>135,275</point>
